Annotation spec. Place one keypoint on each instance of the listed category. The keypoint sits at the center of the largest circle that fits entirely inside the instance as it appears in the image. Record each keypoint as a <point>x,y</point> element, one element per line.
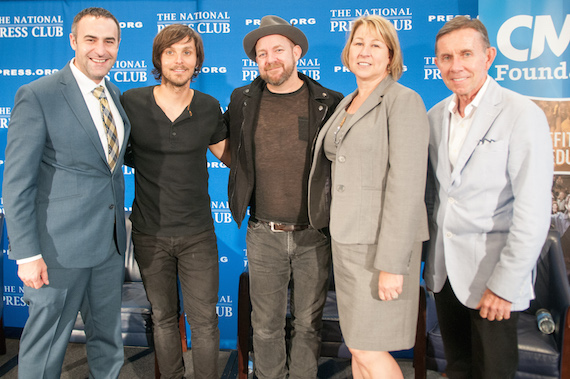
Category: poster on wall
<point>532,39</point>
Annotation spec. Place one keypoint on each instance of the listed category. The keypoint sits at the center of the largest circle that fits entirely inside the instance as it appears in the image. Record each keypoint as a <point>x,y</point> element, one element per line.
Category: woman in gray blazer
<point>368,179</point>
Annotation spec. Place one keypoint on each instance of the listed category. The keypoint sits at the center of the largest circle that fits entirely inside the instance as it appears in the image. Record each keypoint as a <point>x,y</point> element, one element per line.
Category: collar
<point>470,108</point>
<point>85,84</point>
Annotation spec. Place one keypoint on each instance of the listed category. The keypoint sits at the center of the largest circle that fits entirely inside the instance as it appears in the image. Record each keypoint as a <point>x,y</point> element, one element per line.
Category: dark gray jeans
<point>195,259</point>
<point>279,260</point>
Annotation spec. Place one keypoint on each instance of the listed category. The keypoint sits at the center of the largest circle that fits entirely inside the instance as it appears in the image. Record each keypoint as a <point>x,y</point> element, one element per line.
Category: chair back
<point>132,272</point>
<point>552,290</point>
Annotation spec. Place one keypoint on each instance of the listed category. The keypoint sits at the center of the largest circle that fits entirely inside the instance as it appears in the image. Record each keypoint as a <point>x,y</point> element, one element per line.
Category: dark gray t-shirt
<point>282,148</point>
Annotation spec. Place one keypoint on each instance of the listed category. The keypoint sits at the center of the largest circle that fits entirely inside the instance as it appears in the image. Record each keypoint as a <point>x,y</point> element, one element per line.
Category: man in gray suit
<point>491,156</point>
<point>64,203</point>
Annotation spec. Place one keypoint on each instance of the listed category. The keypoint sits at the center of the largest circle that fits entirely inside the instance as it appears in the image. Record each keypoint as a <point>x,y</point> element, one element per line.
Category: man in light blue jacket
<point>491,155</point>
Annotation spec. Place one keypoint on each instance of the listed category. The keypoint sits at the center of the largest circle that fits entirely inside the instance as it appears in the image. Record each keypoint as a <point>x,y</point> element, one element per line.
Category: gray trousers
<point>96,291</point>
<point>278,261</point>
<point>194,261</point>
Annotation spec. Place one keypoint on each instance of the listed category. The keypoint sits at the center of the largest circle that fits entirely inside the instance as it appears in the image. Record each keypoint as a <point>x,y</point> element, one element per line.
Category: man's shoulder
<point>204,98</point>
<point>437,109</point>
<point>514,99</point>
<point>319,91</point>
<point>251,90</point>
<point>135,96</point>
<point>331,94</point>
<point>241,89</point>
<point>46,82</point>
<point>139,91</point>
<point>257,85</point>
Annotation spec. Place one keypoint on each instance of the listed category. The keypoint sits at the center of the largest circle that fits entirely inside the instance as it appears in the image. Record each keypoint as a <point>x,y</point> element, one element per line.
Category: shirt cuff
<point>30,259</point>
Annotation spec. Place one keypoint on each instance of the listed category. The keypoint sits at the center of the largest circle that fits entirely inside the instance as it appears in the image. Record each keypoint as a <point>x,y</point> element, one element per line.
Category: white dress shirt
<point>86,86</point>
<point>459,126</point>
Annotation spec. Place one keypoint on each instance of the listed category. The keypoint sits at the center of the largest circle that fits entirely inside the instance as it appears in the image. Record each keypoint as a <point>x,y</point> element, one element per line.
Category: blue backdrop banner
<point>34,40</point>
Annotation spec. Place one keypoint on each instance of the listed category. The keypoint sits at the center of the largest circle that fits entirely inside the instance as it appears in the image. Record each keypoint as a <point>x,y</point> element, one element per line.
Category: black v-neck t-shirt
<point>171,174</point>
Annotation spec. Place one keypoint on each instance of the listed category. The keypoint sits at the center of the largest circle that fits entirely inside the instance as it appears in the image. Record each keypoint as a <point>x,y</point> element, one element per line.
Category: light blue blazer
<point>492,211</point>
<point>60,197</point>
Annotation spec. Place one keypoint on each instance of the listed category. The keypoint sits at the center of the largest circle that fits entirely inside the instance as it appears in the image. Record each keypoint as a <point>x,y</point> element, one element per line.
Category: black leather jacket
<point>241,120</point>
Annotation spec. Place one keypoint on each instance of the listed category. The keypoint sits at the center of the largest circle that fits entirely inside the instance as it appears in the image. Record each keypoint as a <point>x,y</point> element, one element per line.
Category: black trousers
<point>475,348</point>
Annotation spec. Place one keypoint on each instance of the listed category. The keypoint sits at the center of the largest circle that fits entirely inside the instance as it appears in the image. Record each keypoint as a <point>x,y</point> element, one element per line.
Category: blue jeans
<point>300,261</point>
<point>195,260</point>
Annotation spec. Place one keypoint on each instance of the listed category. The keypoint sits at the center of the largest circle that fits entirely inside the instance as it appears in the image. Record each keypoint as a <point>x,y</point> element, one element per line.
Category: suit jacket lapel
<point>74,97</point>
<point>485,114</point>
<point>370,103</point>
<point>332,122</point>
<point>443,164</point>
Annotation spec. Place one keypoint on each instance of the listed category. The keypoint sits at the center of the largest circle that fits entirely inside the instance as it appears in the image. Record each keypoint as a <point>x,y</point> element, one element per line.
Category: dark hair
<point>95,12</point>
<point>462,22</point>
<point>169,36</point>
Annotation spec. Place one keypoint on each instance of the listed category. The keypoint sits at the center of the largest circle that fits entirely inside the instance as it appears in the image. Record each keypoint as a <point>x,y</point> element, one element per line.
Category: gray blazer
<point>492,212</point>
<point>379,178</point>
<point>60,197</point>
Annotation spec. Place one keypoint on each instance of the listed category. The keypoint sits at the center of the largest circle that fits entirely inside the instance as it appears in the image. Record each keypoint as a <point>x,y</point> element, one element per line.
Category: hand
<point>493,307</point>
<point>33,274</point>
<point>389,285</point>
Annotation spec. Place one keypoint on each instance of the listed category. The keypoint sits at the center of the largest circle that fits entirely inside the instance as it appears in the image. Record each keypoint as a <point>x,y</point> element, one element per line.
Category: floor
<point>139,363</point>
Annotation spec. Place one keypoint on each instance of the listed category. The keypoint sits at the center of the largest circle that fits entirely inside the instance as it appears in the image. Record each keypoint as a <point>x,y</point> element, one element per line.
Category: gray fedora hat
<point>274,25</point>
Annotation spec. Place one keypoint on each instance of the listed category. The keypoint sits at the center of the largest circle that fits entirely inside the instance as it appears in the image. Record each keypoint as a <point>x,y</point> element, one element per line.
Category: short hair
<point>95,12</point>
<point>169,36</point>
<point>463,22</point>
<point>384,29</point>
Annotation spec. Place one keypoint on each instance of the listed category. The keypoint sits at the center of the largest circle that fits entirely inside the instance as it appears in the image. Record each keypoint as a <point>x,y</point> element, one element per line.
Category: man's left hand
<point>493,307</point>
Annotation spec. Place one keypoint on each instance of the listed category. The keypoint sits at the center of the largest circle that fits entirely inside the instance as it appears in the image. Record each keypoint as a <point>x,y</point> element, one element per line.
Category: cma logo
<point>543,31</point>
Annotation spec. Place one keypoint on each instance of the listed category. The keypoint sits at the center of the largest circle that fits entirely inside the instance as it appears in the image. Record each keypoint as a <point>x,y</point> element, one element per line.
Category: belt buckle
<point>272,227</point>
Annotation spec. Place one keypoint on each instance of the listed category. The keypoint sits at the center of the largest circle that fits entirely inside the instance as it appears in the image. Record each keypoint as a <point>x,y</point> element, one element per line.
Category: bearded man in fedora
<point>273,123</point>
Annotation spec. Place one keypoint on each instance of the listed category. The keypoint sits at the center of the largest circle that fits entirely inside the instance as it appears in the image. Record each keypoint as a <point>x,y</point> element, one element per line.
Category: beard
<point>169,78</point>
<point>285,75</point>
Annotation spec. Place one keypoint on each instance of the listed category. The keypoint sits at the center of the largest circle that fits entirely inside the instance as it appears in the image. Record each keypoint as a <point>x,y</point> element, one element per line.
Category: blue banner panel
<point>34,40</point>
<point>532,39</point>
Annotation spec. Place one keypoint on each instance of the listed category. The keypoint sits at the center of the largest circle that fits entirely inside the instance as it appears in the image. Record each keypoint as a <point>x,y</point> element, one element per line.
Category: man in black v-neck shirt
<point>173,232</point>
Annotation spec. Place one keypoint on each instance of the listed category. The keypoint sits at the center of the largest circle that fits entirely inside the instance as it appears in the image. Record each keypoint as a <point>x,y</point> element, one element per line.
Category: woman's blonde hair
<point>384,29</point>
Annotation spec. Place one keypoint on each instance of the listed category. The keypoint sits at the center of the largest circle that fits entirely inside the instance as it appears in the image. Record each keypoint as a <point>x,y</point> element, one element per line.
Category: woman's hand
<point>389,285</point>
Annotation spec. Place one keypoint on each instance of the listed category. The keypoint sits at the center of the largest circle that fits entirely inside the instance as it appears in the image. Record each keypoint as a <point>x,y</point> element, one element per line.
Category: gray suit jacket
<point>492,212</point>
<point>379,178</point>
<point>60,197</point>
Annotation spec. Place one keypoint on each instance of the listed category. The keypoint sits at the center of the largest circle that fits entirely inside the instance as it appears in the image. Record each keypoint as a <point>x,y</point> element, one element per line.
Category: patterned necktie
<point>111,130</point>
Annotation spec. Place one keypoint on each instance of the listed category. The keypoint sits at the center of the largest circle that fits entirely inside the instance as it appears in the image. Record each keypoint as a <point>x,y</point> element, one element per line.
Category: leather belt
<point>277,227</point>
